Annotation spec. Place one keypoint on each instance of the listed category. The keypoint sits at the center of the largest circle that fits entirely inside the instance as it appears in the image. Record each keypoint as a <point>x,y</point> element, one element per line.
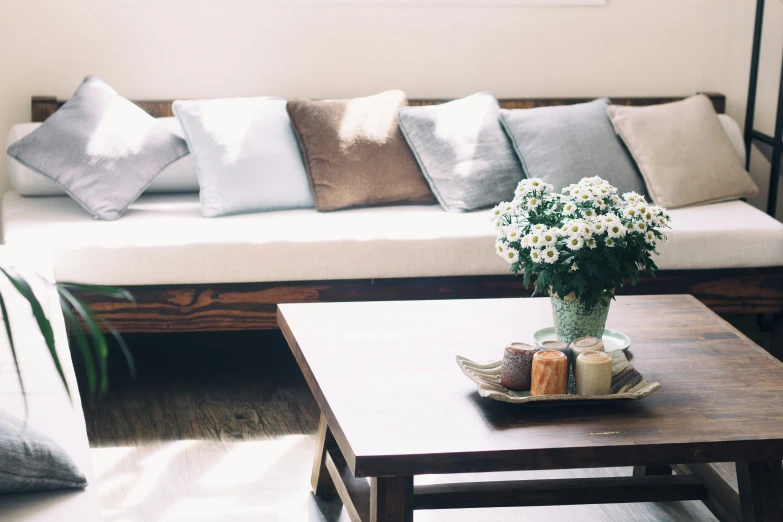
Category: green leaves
<point>88,334</point>
<point>87,330</point>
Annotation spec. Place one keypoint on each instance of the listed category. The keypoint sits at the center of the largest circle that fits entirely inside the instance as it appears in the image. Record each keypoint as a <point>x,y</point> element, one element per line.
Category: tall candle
<point>517,366</point>
<point>550,373</point>
<point>594,373</point>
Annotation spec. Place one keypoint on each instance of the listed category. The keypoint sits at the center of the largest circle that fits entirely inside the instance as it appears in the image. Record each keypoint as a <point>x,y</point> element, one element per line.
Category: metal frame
<point>751,134</point>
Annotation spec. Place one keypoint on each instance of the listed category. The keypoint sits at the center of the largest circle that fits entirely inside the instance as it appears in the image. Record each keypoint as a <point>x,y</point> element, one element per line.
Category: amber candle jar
<point>594,373</point>
<point>550,373</point>
<point>517,366</point>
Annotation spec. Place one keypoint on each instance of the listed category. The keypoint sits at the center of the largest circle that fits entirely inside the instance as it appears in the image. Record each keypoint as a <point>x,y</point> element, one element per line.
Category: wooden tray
<point>627,384</point>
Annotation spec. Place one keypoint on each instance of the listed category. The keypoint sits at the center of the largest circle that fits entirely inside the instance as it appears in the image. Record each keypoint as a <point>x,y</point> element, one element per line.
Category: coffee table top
<point>384,375</point>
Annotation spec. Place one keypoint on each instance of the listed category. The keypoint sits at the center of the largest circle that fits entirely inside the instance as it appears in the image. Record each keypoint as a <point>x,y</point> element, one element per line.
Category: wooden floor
<point>220,427</point>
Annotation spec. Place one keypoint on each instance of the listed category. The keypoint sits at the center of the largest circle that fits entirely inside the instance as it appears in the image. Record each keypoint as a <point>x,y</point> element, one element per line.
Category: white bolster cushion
<point>180,176</point>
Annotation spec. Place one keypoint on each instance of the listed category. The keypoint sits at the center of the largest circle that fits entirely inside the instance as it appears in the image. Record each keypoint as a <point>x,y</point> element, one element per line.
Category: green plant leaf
<point>79,336</point>
<point>98,339</point>
<point>10,335</point>
<point>21,286</point>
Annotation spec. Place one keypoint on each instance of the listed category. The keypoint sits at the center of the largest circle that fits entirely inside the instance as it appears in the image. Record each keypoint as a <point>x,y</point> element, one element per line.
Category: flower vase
<point>574,320</point>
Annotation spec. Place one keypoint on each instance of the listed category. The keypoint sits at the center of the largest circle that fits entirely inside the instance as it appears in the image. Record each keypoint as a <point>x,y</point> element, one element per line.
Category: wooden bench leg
<point>776,337</point>
<point>321,482</point>
<point>761,490</point>
<point>652,470</point>
<point>391,499</point>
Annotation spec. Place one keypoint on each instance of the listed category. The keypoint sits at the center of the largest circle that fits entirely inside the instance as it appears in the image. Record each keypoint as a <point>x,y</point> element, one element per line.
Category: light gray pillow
<point>564,144</point>
<point>247,155</point>
<point>30,461</point>
<point>100,148</point>
<point>466,157</point>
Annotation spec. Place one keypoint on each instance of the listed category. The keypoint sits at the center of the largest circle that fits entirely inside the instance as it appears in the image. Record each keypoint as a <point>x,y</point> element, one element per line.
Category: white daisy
<point>535,255</point>
<point>631,197</point>
<point>500,248</point>
<point>497,211</point>
<point>589,213</point>
<point>629,227</point>
<point>630,212</point>
<point>533,203</point>
<point>591,244</point>
<point>615,229</point>
<point>610,242</point>
<point>533,239</point>
<point>598,226</point>
<point>497,224</point>
<point>569,208</point>
<point>574,267</point>
<point>600,204</point>
<point>513,233</point>
<point>549,237</point>
<point>575,242</point>
<point>539,227</point>
<point>550,254</point>
<point>572,227</point>
<point>640,226</point>
<point>511,256</point>
<point>650,237</point>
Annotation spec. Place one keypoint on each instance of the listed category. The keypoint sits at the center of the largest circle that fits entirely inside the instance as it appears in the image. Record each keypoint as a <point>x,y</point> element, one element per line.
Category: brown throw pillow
<point>683,152</point>
<point>355,153</point>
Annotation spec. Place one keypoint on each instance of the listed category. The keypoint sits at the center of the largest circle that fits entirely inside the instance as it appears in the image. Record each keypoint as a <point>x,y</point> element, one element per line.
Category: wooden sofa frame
<point>252,306</point>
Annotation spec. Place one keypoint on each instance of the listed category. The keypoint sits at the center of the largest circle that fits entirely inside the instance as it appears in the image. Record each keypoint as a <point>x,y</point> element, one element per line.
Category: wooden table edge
<point>323,404</point>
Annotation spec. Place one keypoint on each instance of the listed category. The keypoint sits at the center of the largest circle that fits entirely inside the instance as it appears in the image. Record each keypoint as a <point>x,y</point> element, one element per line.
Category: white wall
<point>212,48</point>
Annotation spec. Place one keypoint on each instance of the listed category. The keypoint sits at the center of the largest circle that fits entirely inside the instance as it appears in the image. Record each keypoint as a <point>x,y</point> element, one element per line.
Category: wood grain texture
<point>391,499</point>
<point>252,306</point>
<point>761,495</point>
<point>354,492</point>
<point>45,106</point>
<point>716,383</point>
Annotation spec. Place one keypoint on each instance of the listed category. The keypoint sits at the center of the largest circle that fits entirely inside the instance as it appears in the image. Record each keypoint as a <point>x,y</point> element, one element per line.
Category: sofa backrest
<point>45,106</point>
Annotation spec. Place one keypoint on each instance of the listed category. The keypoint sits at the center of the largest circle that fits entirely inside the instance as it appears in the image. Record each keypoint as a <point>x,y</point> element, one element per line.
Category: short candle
<point>517,366</point>
<point>550,373</point>
<point>594,373</point>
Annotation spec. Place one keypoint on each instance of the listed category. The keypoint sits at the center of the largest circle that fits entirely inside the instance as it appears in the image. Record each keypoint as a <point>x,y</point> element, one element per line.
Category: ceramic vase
<point>574,320</point>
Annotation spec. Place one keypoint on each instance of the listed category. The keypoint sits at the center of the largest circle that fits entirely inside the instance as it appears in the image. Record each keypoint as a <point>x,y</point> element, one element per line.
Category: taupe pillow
<point>355,153</point>
<point>683,152</point>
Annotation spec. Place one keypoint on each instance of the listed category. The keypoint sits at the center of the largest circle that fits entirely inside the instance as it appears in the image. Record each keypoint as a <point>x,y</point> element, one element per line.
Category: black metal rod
<point>777,150</point>
<point>765,138</point>
<point>750,111</point>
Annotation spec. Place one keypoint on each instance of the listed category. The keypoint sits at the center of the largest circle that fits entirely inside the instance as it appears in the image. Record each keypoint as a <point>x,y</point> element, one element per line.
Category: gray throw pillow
<point>100,148</point>
<point>564,144</point>
<point>466,157</point>
<point>30,461</point>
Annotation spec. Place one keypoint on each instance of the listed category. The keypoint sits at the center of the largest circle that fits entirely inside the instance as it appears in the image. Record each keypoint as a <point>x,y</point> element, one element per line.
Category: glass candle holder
<point>517,366</point>
<point>550,373</point>
<point>594,373</point>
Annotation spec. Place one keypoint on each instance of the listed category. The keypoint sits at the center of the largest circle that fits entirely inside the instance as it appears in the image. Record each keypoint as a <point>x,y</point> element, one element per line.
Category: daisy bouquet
<point>583,242</point>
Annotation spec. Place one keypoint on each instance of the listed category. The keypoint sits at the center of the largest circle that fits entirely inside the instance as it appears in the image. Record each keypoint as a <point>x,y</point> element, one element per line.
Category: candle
<point>550,373</point>
<point>594,373</point>
<point>586,344</point>
<point>517,365</point>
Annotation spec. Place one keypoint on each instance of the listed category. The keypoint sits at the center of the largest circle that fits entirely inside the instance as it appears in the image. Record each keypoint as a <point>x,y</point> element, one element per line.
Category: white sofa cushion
<point>163,239</point>
<point>179,176</point>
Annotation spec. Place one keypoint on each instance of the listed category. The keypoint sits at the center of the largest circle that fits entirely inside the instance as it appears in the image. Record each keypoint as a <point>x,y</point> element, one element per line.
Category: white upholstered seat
<point>164,239</point>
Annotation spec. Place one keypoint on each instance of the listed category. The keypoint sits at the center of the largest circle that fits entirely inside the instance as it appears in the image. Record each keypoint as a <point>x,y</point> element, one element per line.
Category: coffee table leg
<point>652,470</point>
<point>391,499</point>
<point>321,481</point>
<point>761,490</point>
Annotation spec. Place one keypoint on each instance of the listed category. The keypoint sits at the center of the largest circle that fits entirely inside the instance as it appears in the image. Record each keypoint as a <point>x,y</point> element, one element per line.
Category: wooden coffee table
<point>395,404</point>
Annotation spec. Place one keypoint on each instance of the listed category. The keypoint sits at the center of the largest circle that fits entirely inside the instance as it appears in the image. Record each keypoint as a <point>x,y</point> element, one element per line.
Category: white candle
<point>593,373</point>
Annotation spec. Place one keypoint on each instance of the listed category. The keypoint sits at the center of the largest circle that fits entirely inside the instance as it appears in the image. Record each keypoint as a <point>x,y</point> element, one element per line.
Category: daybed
<point>190,273</point>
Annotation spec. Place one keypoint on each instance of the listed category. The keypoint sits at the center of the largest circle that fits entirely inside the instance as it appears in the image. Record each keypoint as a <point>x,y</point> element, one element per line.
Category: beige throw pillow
<point>355,154</point>
<point>683,152</point>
